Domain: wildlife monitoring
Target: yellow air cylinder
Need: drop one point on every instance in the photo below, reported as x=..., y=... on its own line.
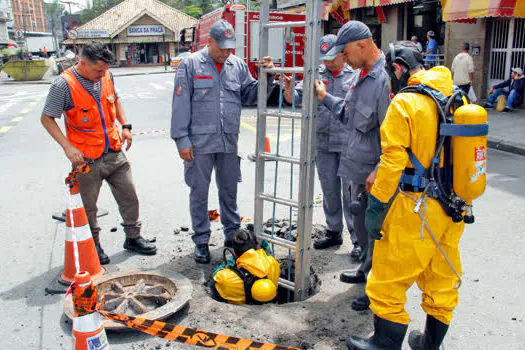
x=469, y=155
x=264, y=290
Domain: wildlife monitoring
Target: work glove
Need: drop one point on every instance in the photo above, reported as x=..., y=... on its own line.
x=374, y=217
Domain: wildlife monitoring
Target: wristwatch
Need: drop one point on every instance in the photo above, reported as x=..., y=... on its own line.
x=127, y=126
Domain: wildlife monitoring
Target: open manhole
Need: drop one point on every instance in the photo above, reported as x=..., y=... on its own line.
x=142, y=294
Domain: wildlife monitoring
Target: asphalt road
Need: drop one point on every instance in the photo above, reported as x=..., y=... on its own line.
x=491, y=313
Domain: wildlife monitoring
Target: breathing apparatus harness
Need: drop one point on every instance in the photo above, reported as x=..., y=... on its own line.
x=435, y=181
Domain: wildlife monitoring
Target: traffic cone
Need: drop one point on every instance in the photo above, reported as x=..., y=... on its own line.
x=87, y=253
x=267, y=149
x=88, y=331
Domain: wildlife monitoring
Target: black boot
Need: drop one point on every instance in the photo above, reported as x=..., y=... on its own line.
x=102, y=257
x=361, y=302
x=329, y=239
x=140, y=245
x=387, y=335
x=356, y=253
x=202, y=254
x=432, y=338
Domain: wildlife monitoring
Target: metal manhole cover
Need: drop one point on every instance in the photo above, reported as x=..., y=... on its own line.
x=143, y=294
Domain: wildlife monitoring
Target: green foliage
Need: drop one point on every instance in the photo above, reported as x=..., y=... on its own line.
x=99, y=7
x=192, y=10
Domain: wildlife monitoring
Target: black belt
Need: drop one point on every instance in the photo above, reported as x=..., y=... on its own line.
x=112, y=151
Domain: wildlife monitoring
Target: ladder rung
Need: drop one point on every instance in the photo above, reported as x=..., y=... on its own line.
x=276, y=240
x=272, y=156
x=286, y=115
x=279, y=200
x=280, y=70
x=285, y=24
x=287, y=284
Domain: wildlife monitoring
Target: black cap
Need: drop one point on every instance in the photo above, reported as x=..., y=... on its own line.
x=405, y=53
x=466, y=46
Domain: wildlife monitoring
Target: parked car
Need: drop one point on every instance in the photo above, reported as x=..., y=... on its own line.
x=175, y=61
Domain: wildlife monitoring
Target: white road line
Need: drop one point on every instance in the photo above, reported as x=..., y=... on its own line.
x=170, y=83
x=16, y=119
x=5, y=106
x=157, y=86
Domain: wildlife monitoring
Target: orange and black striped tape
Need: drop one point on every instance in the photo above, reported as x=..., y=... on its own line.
x=188, y=335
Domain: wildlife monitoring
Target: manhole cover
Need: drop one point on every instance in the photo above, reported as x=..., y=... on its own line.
x=143, y=294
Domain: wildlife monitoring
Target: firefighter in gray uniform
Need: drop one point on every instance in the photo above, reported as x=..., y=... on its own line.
x=211, y=86
x=362, y=111
x=338, y=77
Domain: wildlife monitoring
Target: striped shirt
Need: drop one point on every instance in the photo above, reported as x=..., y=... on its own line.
x=59, y=98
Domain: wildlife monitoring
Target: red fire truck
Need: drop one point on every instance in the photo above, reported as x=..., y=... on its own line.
x=246, y=25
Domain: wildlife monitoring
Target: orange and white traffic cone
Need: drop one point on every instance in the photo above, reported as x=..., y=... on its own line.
x=88, y=331
x=267, y=149
x=77, y=224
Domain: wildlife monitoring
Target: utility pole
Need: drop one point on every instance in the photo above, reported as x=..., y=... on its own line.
x=24, y=13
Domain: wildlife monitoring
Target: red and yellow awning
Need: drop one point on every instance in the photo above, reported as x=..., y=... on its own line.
x=455, y=10
x=354, y=4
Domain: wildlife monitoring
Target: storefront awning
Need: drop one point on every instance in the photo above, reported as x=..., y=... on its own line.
x=457, y=10
x=354, y=4
x=389, y=2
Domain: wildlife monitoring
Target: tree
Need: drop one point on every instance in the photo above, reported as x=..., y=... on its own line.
x=193, y=11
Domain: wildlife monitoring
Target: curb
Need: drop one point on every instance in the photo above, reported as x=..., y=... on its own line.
x=506, y=146
x=48, y=82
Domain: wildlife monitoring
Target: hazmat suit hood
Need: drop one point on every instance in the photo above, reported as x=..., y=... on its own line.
x=437, y=78
x=257, y=263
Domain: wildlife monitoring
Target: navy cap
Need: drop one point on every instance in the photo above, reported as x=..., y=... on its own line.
x=351, y=31
x=327, y=43
x=223, y=33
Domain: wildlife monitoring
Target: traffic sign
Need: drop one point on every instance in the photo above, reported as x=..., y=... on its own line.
x=19, y=34
x=72, y=34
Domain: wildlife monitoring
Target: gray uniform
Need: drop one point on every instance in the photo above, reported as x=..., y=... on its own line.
x=330, y=141
x=362, y=111
x=206, y=115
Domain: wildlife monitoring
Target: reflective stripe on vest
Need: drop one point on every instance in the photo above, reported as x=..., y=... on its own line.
x=90, y=124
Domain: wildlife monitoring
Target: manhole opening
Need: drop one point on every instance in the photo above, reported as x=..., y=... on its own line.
x=285, y=295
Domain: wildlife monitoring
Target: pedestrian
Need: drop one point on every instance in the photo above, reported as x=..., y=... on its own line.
x=45, y=52
x=86, y=95
x=40, y=53
x=404, y=252
x=362, y=111
x=415, y=40
x=249, y=276
x=514, y=94
x=432, y=49
x=211, y=86
x=463, y=69
x=338, y=78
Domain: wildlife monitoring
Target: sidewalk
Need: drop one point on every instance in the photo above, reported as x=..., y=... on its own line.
x=507, y=131
x=117, y=72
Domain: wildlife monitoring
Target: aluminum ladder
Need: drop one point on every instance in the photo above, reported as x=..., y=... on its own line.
x=300, y=249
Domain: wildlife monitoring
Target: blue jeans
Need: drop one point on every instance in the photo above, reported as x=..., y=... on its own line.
x=511, y=98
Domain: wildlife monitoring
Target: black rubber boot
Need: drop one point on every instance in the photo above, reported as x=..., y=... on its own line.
x=329, y=239
x=356, y=253
x=140, y=245
x=202, y=254
x=361, y=302
x=432, y=338
x=387, y=335
x=102, y=257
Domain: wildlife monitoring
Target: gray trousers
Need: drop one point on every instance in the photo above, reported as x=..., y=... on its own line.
x=116, y=170
x=197, y=175
x=366, y=243
x=336, y=196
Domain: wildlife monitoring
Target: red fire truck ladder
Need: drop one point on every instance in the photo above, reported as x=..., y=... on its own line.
x=299, y=201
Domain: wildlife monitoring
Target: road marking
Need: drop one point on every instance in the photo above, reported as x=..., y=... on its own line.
x=33, y=103
x=157, y=86
x=25, y=110
x=16, y=119
x=5, y=106
x=170, y=83
x=4, y=129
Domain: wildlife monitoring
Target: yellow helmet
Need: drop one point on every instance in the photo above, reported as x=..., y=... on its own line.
x=264, y=290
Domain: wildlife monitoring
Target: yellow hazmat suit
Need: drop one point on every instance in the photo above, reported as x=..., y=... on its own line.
x=231, y=287
x=406, y=253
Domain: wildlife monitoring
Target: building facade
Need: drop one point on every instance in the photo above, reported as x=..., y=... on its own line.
x=138, y=32
x=29, y=15
x=5, y=18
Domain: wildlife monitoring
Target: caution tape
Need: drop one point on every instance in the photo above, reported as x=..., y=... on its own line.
x=189, y=335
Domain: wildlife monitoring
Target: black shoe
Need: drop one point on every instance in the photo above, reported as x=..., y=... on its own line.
x=202, y=254
x=140, y=245
x=435, y=332
x=486, y=105
x=353, y=277
x=356, y=253
x=329, y=239
x=507, y=110
x=228, y=243
x=102, y=257
x=361, y=302
x=387, y=335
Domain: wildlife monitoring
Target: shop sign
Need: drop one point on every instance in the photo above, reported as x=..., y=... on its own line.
x=93, y=33
x=145, y=30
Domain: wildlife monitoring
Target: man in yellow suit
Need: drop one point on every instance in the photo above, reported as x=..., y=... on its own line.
x=405, y=252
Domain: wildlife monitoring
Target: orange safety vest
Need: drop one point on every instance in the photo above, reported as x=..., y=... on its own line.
x=90, y=124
